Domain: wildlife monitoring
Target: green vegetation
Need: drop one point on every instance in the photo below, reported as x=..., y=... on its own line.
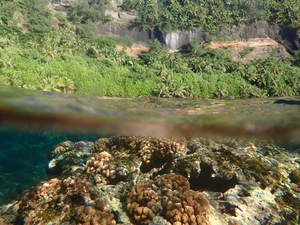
x=156, y=46
x=71, y=60
x=84, y=13
x=246, y=50
x=213, y=16
x=126, y=41
x=60, y=60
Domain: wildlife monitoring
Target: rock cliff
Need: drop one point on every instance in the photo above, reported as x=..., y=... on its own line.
x=287, y=37
x=65, y=3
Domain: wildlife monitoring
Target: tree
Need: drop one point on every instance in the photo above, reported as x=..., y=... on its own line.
x=38, y=15
x=297, y=58
x=78, y=10
x=47, y=51
x=155, y=45
x=162, y=90
x=66, y=84
x=7, y=9
x=180, y=89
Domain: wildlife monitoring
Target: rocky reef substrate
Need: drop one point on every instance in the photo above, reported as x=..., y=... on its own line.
x=127, y=179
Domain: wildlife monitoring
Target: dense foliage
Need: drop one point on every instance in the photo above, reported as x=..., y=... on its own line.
x=84, y=13
x=36, y=15
x=212, y=15
x=60, y=60
x=72, y=60
x=33, y=14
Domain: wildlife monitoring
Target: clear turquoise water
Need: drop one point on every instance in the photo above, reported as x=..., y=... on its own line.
x=24, y=156
x=32, y=123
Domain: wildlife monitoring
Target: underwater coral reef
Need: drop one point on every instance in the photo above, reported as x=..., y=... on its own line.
x=136, y=179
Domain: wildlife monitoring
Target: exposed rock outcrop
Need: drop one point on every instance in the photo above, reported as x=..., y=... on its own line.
x=65, y=3
x=139, y=35
x=288, y=37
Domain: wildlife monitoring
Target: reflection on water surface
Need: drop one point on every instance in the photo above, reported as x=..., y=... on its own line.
x=241, y=156
x=150, y=115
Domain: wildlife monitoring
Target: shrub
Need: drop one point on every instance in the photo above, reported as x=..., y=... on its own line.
x=246, y=50
x=106, y=41
x=126, y=41
x=155, y=45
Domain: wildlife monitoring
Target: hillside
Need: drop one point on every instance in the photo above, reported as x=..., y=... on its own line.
x=65, y=47
x=284, y=34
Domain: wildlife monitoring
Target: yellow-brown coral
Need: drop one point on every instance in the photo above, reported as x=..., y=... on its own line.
x=60, y=148
x=102, y=163
x=152, y=150
x=95, y=215
x=169, y=194
x=100, y=145
x=64, y=200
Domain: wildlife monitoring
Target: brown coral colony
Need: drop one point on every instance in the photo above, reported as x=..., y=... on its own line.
x=102, y=163
x=59, y=198
x=171, y=196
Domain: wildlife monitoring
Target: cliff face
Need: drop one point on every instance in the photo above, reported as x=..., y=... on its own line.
x=140, y=36
x=287, y=37
x=65, y=3
x=181, y=39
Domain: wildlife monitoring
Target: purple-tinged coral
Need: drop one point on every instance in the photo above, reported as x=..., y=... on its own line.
x=79, y=145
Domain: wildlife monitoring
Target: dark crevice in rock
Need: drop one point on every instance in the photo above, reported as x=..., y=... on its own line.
x=157, y=168
x=160, y=171
x=292, y=178
x=55, y=170
x=117, y=180
x=206, y=182
x=289, y=39
x=145, y=168
x=228, y=208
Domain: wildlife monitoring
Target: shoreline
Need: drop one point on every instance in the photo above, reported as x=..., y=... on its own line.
x=110, y=97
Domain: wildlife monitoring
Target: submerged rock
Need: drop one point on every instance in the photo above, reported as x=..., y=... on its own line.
x=288, y=101
x=130, y=179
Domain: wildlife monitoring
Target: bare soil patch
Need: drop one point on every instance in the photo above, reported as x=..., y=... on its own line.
x=134, y=50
